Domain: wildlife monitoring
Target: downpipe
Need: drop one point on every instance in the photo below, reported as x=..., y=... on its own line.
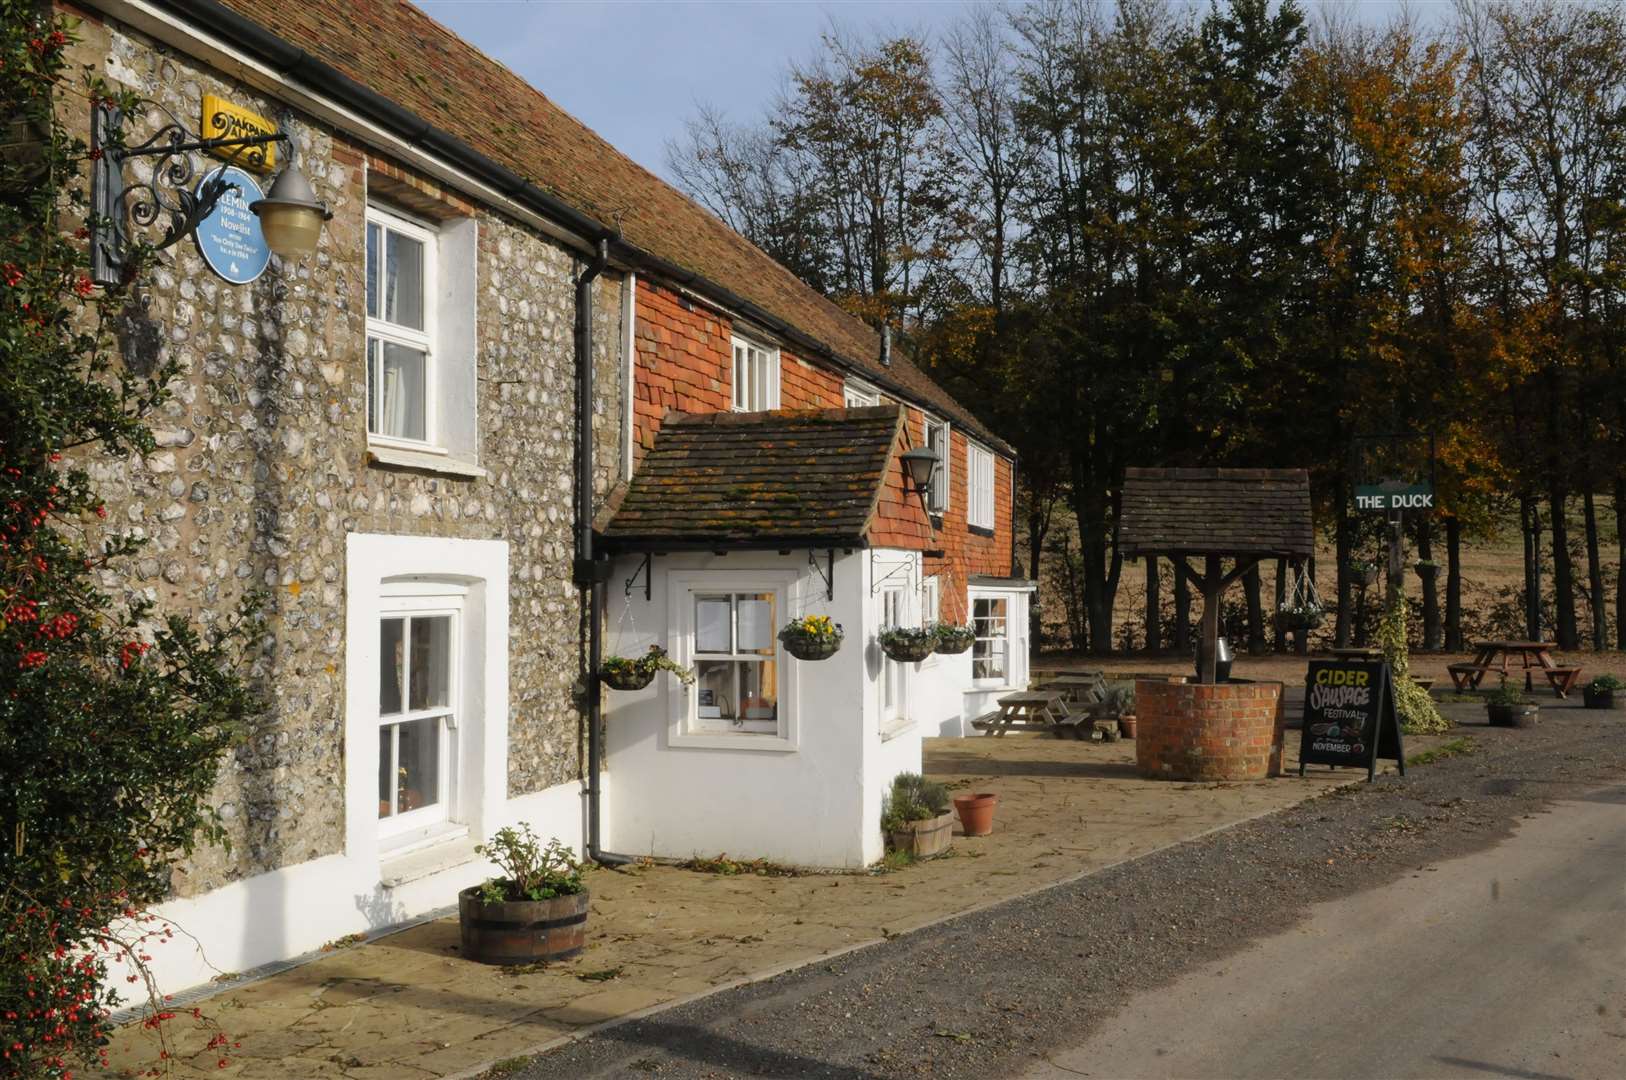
x=590, y=572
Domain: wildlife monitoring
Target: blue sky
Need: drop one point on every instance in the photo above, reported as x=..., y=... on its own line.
x=633, y=70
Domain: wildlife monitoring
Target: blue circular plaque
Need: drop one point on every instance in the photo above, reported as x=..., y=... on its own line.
x=229, y=239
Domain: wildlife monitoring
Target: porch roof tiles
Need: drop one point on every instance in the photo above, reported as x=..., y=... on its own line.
x=789, y=478
x=1245, y=512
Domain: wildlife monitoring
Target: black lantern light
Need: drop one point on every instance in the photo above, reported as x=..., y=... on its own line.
x=918, y=466
x=290, y=216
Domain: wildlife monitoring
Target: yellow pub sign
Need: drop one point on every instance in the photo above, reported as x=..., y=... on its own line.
x=223, y=120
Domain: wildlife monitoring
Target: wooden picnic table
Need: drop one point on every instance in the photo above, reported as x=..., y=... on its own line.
x=1084, y=688
x=1031, y=710
x=1361, y=653
x=1533, y=656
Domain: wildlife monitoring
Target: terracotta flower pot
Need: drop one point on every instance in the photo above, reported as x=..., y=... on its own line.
x=976, y=812
x=1126, y=726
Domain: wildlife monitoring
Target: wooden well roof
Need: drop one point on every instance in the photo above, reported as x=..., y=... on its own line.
x=782, y=479
x=1242, y=512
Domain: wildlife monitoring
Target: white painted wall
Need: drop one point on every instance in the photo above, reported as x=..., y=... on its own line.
x=812, y=799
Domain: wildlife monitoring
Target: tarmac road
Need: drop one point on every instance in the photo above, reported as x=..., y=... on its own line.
x=1364, y=926
x=1510, y=962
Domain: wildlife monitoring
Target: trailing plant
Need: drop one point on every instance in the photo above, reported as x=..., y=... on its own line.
x=113, y=717
x=1507, y=695
x=912, y=798
x=1417, y=711
x=530, y=870
x=815, y=629
x=651, y=663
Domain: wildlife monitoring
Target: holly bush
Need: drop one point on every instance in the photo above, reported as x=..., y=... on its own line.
x=113, y=719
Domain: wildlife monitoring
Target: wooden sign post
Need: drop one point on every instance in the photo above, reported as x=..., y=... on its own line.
x=1349, y=716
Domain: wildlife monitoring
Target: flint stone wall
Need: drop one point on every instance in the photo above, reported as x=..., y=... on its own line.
x=262, y=469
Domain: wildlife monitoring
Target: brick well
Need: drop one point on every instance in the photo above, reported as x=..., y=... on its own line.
x=1225, y=731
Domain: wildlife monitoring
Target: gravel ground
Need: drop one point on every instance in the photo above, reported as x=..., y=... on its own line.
x=986, y=993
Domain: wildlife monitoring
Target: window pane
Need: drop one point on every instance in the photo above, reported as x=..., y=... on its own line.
x=403, y=281
x=431, y=662
x=712, y=624
x=757, y=624
x=742, y=395
x=392, y=667
x=372, y=271
x=401, y=393
x=988, y=652
x=373, y=377
x=386, y=766
x=759, y=690
x=417, y=776
x=714, y=682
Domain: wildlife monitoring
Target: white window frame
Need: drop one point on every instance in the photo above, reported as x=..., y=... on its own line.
x=760, y=391
x=428, y=599
x=979, y=486
x=859, y=395
x=931, y=609
x=937, y=497
x=685, y=728
x=1008, y=639
x=423, y=339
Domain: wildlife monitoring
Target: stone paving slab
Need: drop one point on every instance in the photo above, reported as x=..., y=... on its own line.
x=406, y=1005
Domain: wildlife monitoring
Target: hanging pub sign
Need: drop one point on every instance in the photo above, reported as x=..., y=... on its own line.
x=1395, y=495
x=230, y=239
x=1349, y=716
x=223, y=120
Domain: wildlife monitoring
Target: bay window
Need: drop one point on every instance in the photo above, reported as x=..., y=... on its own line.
x=990, y=653
x=736, y=662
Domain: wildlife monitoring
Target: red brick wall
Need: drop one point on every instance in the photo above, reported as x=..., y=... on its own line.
x=1224, y=731
x=685, y=362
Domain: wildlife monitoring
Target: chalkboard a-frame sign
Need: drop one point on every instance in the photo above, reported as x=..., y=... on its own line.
x=1349, y=716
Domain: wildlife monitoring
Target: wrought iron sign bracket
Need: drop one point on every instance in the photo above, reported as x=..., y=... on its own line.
x=901, y=568
x=165, y=191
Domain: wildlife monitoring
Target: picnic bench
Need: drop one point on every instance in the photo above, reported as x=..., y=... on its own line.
x=1034, y=710
x=1497, y=656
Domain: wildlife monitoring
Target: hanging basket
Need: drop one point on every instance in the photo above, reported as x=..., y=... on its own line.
x=811, y=648
x=954, y=640
x=633, y=678
x=908, y=646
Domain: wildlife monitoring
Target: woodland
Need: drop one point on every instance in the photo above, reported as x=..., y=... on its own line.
x=1246, y=234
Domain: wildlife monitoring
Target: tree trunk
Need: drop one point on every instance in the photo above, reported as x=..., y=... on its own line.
x=1257, y=643
x=1342, y=628
x=1453, y=585
x=1530, y=523
x=1394, y=584
x=1431, y=583
x=1594, y=576
x=1182, y=608
x=1620, y=561
x=1563, y=572
x=1279, y=633
x=1154, y=605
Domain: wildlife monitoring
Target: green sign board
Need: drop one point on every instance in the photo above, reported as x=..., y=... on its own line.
x=1394, y=495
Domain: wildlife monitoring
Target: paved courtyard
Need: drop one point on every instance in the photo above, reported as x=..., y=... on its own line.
x=406, y=1005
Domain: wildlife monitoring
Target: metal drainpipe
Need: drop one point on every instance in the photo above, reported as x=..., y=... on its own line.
x=589, y=571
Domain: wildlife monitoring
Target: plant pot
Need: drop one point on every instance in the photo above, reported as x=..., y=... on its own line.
x=953, y=646
x=804, y=648
x=907, y=652
x=626, y=680
x=924, y=839
x=521, y=931
x=1598, y=699
x=1126, y=726
x=1513, y=716
x=976, y=812
x=1364, y=578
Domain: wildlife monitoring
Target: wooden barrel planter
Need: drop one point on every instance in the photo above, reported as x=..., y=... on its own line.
x=521, y=931
x=925, y=839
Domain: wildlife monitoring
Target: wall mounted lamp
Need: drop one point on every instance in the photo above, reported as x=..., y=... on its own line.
x=290, y=216
x=918, y=466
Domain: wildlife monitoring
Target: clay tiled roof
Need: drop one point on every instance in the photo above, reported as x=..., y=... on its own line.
x=793, y=477
x=399, y=52
x=1216, y=511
